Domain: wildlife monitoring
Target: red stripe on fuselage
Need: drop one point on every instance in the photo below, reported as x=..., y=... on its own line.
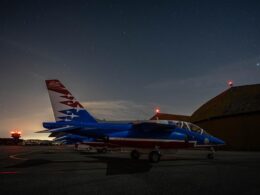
x=151, y=144
x=135, y=143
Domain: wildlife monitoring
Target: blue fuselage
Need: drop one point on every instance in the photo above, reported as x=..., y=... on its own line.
x=129, y=135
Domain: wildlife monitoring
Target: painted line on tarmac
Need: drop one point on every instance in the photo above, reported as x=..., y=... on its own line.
x=15, y=156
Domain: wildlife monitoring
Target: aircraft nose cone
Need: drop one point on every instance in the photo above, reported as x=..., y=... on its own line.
x=222, y=142
x=217, y=141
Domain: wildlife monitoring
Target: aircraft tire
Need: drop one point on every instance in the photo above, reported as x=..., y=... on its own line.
x=154, y=156
x=210, y=156
x=102, y=150
x=135, y=155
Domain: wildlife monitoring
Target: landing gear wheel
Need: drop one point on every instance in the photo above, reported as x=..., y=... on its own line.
x=210, y=156
x=135, y=155
x=154, y=156
x=102, y=150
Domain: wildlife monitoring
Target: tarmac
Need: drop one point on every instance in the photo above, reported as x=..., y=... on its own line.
x=62, y=170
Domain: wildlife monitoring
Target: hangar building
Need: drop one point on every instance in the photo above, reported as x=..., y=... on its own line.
x=233, y=115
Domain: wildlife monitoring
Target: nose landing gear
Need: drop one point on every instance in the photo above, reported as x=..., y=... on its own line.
x=212, y=154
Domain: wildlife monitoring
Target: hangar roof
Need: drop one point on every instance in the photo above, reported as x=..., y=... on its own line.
x=235, y=100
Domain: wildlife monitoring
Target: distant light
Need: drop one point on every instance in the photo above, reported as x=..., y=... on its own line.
x=16, y=132
x=258, y=64
x=230, y=83
x=157, y=110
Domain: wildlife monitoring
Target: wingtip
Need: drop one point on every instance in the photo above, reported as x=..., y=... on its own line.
x=43, y=131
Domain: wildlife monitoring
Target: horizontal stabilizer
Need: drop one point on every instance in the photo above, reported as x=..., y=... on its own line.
x=57, y=130
x=62, y=129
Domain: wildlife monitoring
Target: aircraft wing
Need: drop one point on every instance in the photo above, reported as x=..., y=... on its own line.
x=57, y=134
x=43, y=131
x=75, y=130
x=72, y=137
x=148, y=126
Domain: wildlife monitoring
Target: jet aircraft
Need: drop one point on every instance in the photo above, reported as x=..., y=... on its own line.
x=74, y=124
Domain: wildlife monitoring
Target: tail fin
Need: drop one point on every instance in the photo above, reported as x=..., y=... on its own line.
x=65, y=106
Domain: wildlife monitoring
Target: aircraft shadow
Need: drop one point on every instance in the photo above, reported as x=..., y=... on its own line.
x=114, y=165
x=120, y=166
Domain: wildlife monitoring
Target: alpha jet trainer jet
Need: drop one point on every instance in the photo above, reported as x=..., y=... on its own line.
x=75, y=124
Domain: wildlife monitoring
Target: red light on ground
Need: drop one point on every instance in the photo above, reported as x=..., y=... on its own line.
x=230, y=83
x=7, y=172
x=16, y=134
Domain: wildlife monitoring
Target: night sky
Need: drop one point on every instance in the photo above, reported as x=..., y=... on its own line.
x=123, y=59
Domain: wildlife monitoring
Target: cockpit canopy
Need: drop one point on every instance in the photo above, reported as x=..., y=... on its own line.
x=183, y=125
x=189, y=126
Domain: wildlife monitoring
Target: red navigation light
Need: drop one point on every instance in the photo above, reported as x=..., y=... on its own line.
x=157, y=110
x=16, y=134
x=230, y=83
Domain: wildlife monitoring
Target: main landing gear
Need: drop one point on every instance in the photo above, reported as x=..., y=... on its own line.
x=212, y=154
x=135, y=155
x=154, y=156
x=76, y=146
x=102, y=150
